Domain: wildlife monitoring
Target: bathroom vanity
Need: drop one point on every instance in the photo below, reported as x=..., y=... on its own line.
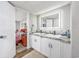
x=50, y=45
x=52, y=37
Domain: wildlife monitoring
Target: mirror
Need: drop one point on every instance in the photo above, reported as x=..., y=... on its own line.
x=51, y=20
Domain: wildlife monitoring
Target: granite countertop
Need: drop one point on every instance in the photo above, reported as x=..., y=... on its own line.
x=55, y=37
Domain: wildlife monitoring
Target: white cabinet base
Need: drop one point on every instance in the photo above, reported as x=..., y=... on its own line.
x=65, y=49
x=35, y=42
x=45, y=47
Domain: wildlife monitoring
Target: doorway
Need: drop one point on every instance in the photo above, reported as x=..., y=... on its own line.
x=21, y=36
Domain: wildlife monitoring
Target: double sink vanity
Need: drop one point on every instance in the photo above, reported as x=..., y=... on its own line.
x=50, y=45
x=52, y=35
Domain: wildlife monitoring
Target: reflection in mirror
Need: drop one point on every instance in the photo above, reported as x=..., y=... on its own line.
x=50, y=21
x=43, y=21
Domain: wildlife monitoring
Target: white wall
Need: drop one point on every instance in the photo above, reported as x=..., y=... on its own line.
x=75, y=29
x=17, y=24
x=33, y=22
x=64, y=17
x=21, y=14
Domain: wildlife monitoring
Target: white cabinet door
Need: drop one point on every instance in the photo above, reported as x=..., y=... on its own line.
x=65, y=50
x=36, y=42
x=55, y=49
x=7, y=30
x=45, y=46
x=32, y=41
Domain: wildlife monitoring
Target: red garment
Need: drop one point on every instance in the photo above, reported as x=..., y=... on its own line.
x=24, y=37
x=24, y=30
x=24, y=40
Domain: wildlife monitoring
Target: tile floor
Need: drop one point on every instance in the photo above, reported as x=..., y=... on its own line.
x=20, y=48
x=23, y=53
x=34, y=54
x=29, y=53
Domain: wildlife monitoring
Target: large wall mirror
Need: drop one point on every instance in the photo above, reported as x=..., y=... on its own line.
x=51, y=20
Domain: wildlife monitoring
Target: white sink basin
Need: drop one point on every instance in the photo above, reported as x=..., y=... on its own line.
x=37, y=33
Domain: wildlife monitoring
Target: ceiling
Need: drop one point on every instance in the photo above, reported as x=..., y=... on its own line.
x=36, y=6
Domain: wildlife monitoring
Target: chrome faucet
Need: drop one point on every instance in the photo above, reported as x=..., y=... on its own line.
x=54, y=32
x=41, y=31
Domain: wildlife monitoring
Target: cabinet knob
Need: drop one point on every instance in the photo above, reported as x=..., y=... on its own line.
x=51, y=46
